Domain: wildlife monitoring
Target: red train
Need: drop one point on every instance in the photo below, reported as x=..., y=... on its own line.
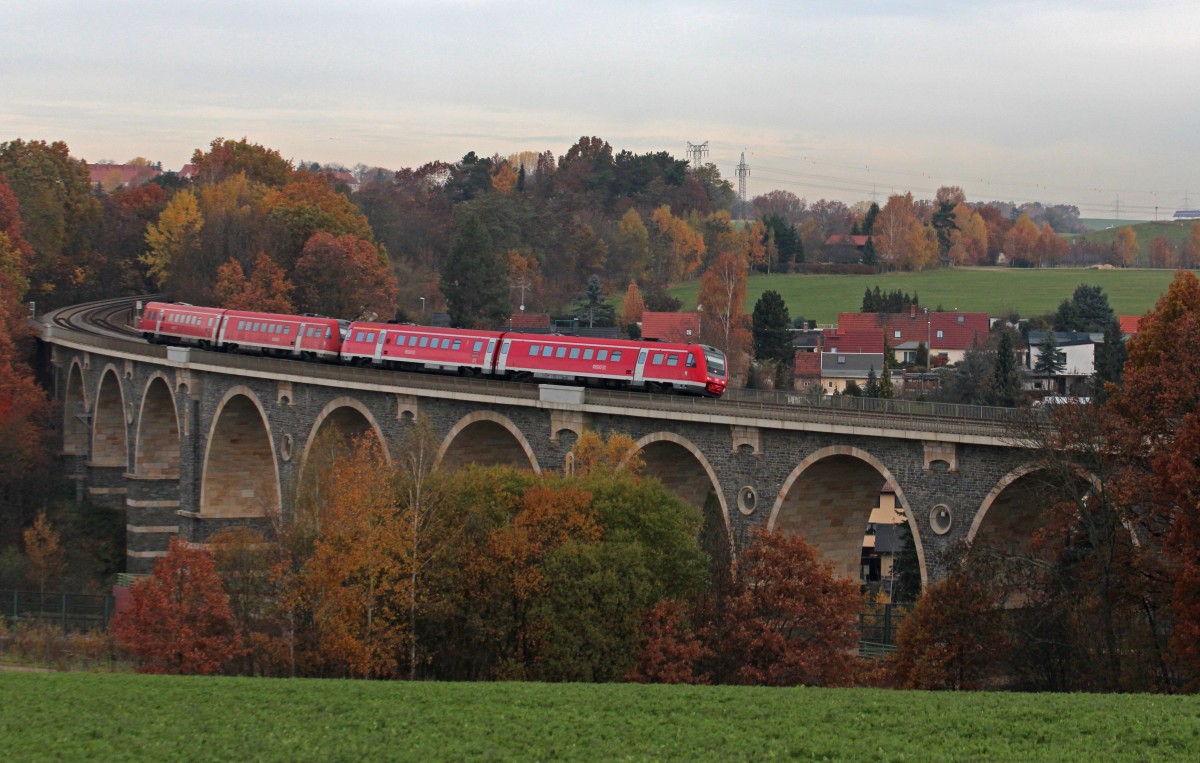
x=620, y=363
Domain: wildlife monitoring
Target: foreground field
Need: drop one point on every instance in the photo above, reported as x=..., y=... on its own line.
x=996, y=291
x=129, y=717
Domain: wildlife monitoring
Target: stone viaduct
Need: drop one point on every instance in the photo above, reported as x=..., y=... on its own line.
x=188, y=442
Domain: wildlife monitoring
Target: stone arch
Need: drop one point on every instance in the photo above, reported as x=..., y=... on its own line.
x=1015, y=508
x=685, y=472
x=75, y=411
x=351, y=418
x=487, y=438
x=828, y=498
x=110, y=440
x=156, y=445
x=241, y=474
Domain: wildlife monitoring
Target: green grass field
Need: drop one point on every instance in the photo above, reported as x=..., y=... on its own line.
x=1176, y=232
x=996, y=291
x=129, y=717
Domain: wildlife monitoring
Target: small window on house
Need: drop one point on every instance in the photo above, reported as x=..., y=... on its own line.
x=962, y=318
x=941, y=334
x=574, y=353
x=896, y=333
x=588, y=353
x=658, y=359
x=616, y=356
x=672, y=360
x=478, y=346
x=534, y=349
x=561, y=352
x=602, y=355
x=424, y=341
x=841, y=360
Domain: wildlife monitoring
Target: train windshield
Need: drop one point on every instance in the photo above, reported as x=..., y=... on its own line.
x=716, y=362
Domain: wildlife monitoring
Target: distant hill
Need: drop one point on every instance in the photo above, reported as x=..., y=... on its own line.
x=1174, y=231
x=1100, y=223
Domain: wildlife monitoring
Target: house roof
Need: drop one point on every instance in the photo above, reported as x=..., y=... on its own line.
x=854, y=340
x=1130, y=324
x=1066, y=338
x=850, y=365
x=189, y=172
x=526, y=321
x=671, y=327
x=807, y=365
x=959, y=331
x=116, y=175
x=845, y=239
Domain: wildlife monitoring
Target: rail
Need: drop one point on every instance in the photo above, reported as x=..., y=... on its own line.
x=841, y=411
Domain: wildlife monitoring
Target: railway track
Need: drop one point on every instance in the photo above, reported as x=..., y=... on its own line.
x=111, y=320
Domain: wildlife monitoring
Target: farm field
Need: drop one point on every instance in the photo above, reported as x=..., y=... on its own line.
x=996, y=291
x=132, y=717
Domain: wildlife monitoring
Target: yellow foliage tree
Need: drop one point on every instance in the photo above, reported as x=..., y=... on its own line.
x=174, y=237
x=593, y=454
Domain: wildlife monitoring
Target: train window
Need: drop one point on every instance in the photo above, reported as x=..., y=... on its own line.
x=241, y=325
x=477, y=346
x=358, y=336
x=412, y=340
x=210, y=322
x=547, y=351
x=658, y=359
x=587, y=354
x=690, y=362
x=602, y=355
x=504, y=347
x=574, y=352
x=257, y=327
x=445, y=344
x=424, y=341
x=287, y=330
x=371, y=336
x=534, y=349
x=616, y=355
x=457, y=345
x=561, y=352
x=672, y=360
x=328, y=331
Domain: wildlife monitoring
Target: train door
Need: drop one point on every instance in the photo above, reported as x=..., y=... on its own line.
x=379, y=345
x=639, y=370
x=299, y=338
x=502, y=360
x=487, y=358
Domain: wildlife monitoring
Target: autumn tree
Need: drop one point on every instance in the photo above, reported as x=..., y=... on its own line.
x=43, y=549
x=179, y=619
x=344, y=277
x=1020, y=243
x=792, y=621
x=1161, y=254
x=630, y=255
x=1125, y=248
x=671, y=651
x=226, y=158
x=1051, y=248
x=1189, y=252
x=721, y=297
x=676, y=250
x=173, y=245
x=266, y=290
x=596, y=455
x=632, y=306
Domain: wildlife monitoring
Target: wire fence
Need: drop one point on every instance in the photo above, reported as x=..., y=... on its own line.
x=72, y=611
x=877, y=628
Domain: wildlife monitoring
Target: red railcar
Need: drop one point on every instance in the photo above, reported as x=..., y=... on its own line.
x=410, y=347
x=692, y=368
x=163, y=322
x=304, y=336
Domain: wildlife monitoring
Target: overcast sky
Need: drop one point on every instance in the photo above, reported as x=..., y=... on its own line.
x=1075, y=102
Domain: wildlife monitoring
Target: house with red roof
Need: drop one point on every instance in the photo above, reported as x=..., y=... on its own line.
x=1130, y=325
x=945, y=334
x=113, y=176
x=671, y=327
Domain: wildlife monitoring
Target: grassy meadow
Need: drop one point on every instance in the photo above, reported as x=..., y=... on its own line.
x=996, y=291
x=131, y=717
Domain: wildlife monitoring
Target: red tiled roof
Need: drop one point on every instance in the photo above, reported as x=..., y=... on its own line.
x=845, y=239
x=854, y=340
x=960, y=331
x=189, y=171
x=807, y=365
x=520, y=321
x=671, y=327
x=115, y=175
x=1130, y=324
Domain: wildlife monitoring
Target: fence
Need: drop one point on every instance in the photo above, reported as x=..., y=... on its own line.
x=877, y=629
x=74, y=611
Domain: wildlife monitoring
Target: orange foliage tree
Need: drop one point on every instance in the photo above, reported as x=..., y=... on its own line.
x=266, y=290
x=1125, y=247
x=179, y=619
x=791, y=619
x=344, y=277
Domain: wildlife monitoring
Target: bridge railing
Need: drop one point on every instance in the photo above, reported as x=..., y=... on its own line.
x=774, y=405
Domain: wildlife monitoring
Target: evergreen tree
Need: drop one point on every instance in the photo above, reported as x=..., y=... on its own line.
x=852, y=389
x=1110, y=359
x=922, y=355
x=872, y=388
x=886, y=390
x=868, y=305
x=1091, y=305
x=474, y=280
x=869, y=255
x=1049, y=362
x=906, y=567
x=868, y=225
x=593, y=306
x=1006, y=376
x=772, y=337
